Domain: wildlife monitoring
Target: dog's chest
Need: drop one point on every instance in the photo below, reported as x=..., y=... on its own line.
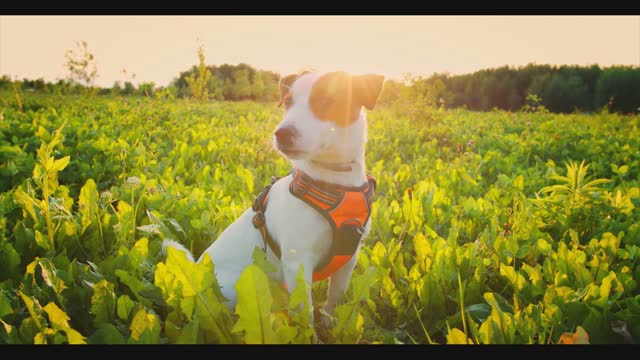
x=299, y=229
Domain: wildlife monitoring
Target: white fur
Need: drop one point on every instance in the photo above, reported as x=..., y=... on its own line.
x=176, y=245
x=304, y=236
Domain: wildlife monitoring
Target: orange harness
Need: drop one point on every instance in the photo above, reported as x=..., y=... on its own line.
x=347, y=210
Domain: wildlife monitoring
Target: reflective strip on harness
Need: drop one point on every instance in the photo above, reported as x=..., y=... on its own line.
x=346, y=209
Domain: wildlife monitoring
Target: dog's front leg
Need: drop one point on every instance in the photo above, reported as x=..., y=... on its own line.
x=291, y=263
x=338, y=283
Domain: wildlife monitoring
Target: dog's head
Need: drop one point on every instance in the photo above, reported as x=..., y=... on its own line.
x=324, y=113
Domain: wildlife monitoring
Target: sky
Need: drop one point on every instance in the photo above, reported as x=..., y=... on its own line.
x=158, y=48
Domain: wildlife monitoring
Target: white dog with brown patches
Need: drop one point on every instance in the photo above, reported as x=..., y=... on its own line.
x=317, y=216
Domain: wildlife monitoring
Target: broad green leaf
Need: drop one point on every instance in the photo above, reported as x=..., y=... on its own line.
x=422, y=249
x=299, y=295
x=143, y=291
x=287, y=334
x=5, y=305
x=523, y=251
x=191, y=277
x=478, y=312
x=174, y=323
x=543, y=246
x=126, y=219
x=107, y=334
x=378, y=254
x=9, y=260
x=299, y=309
x=260, y=259
x=214, y=317
x=60, y=164
x=49, y=275
x=145, y=328
x=518, y=183
x=191, y=289
x=349, y=324
x=247, y=177
x=189, y=333
x=43, y=241
x=176, y=229
x=138, y=255
x=456, y=336
x=124, y=306
x=623, y=169
x=29, y=204
x=35, y=310
x=499, y=327
x=515, y=278
x=40, y=339
x=27, y=330
x=103, y=302
x=361, y=285
x=60, y=321
x=88, y=204
x=254, y=307
x=150, y=229
x=9, y=334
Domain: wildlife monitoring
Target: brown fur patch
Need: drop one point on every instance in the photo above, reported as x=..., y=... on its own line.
x=339, y=96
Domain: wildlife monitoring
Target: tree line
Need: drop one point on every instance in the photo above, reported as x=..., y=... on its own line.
x=558, y=88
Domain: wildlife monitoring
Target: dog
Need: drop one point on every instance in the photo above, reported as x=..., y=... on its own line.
x=317, y=216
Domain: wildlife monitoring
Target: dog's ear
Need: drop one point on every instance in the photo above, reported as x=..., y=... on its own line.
x=367, y=89
x=285, y=85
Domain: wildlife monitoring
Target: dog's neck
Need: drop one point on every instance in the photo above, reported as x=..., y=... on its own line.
x=349, y=173
x=345, y=168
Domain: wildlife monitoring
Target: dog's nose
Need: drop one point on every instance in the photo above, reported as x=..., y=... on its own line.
x=285, y=136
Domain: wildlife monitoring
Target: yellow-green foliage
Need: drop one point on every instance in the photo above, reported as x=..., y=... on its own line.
x=487, y=227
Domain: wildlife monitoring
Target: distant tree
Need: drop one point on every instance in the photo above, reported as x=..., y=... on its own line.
x=241, y=89
x=5, y=82
x=227, y=89
x=198, y=83
x=258, y=87
x=390, y=92
x=81, y=65
x=533, y=103
x=566, y=92
x=539, y=83
x=271, y=88
x=214, y=86
x=62, y=87
x=168, y=93
x=619, y=88
x=116, y=89
x=146, y=88
x=430, y=92
x=129, y=88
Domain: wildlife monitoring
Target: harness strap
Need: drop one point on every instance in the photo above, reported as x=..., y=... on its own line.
x=259, y=222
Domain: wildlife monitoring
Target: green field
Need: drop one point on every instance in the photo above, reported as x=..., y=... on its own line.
x=493, y=227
